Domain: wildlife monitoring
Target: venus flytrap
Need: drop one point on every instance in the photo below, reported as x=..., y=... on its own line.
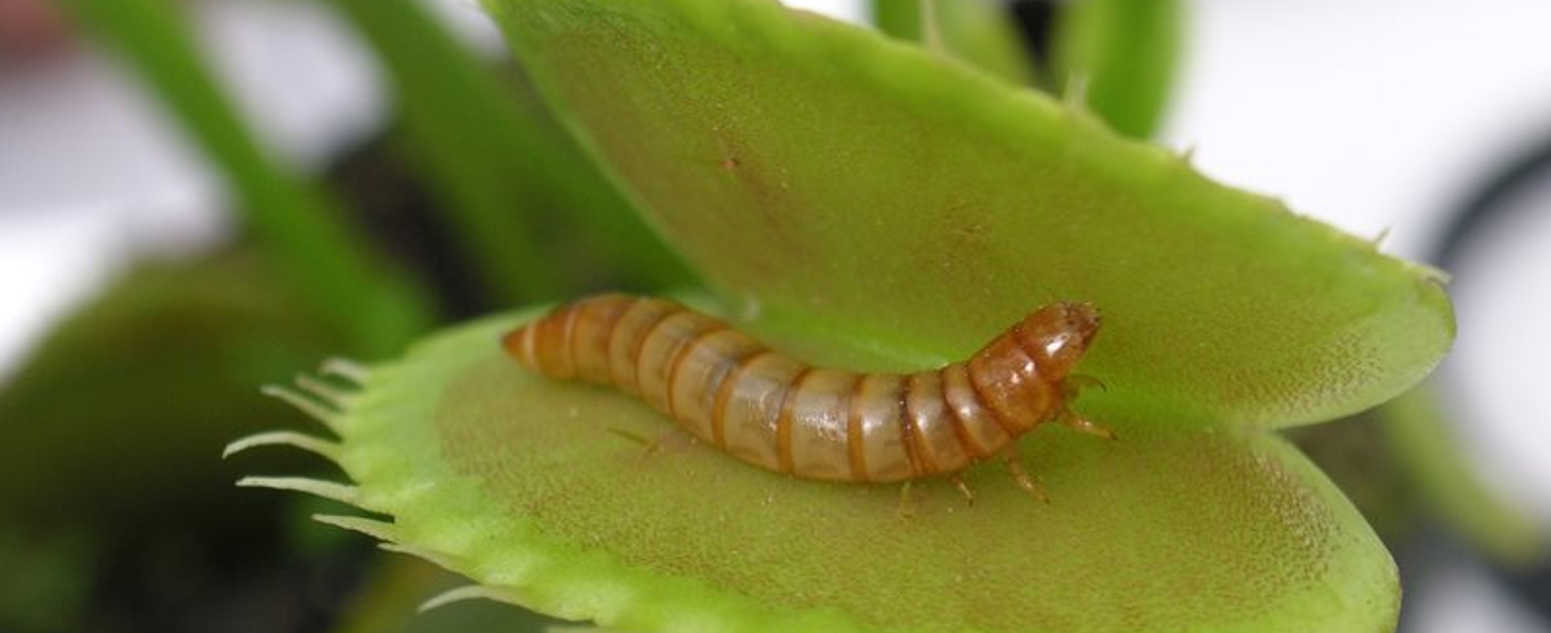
x=889, y=210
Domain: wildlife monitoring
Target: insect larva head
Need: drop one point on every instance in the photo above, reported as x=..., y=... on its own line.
x=518, y=344
x=1056, y=336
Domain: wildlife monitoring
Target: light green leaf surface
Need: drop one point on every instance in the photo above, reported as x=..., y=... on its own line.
x=1354, y=453
x=1125, y=53
x=862, y=203
x=527, y=486
x=976, y=31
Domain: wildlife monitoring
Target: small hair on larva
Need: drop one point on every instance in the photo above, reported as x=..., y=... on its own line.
x=781, y=414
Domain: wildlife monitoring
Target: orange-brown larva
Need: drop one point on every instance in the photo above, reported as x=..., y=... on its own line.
x=778, y=413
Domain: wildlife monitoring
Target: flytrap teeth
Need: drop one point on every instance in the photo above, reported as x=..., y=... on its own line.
x=1188, y=155
x=1076, y=94
x=342, y=493
x=380, y=530
x=314, y=410
x=1435, y=275
x=317, y=445
x=466, y=592
x=1378, y=240
x=346, y=369
x=333, y=396
x=439, y=559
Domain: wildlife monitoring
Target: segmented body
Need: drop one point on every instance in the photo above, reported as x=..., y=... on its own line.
x=781, y=414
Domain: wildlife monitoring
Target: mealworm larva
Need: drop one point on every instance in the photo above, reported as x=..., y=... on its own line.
x=778, y=413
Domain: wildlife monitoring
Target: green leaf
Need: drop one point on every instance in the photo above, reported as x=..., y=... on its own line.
x=976, y=31
x=1355, y=454
x=1125, y=53
x=46, y=579
x=117, y=416
x=1420, y=434
x=1403, y=466
x=518, y=186
x=864, y=204
x=296, y=226
x=528, y=486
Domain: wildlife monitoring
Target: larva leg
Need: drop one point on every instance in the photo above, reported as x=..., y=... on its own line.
x=1073, y=384
x=631, y=435
x=907, y=503
x=958, y=482
x=1020, y=476
x=650, y=447
x=1072, y=420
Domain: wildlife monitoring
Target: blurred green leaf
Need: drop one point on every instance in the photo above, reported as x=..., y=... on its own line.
x=536, y=214
x=1430, y=456
x=976, y=31
x=119, y=415
x=1125, y=53
x=44, y=580
x=1402, y=465
x=296, y=226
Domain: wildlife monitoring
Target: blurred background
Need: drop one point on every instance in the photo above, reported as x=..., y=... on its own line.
x=134, y=256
